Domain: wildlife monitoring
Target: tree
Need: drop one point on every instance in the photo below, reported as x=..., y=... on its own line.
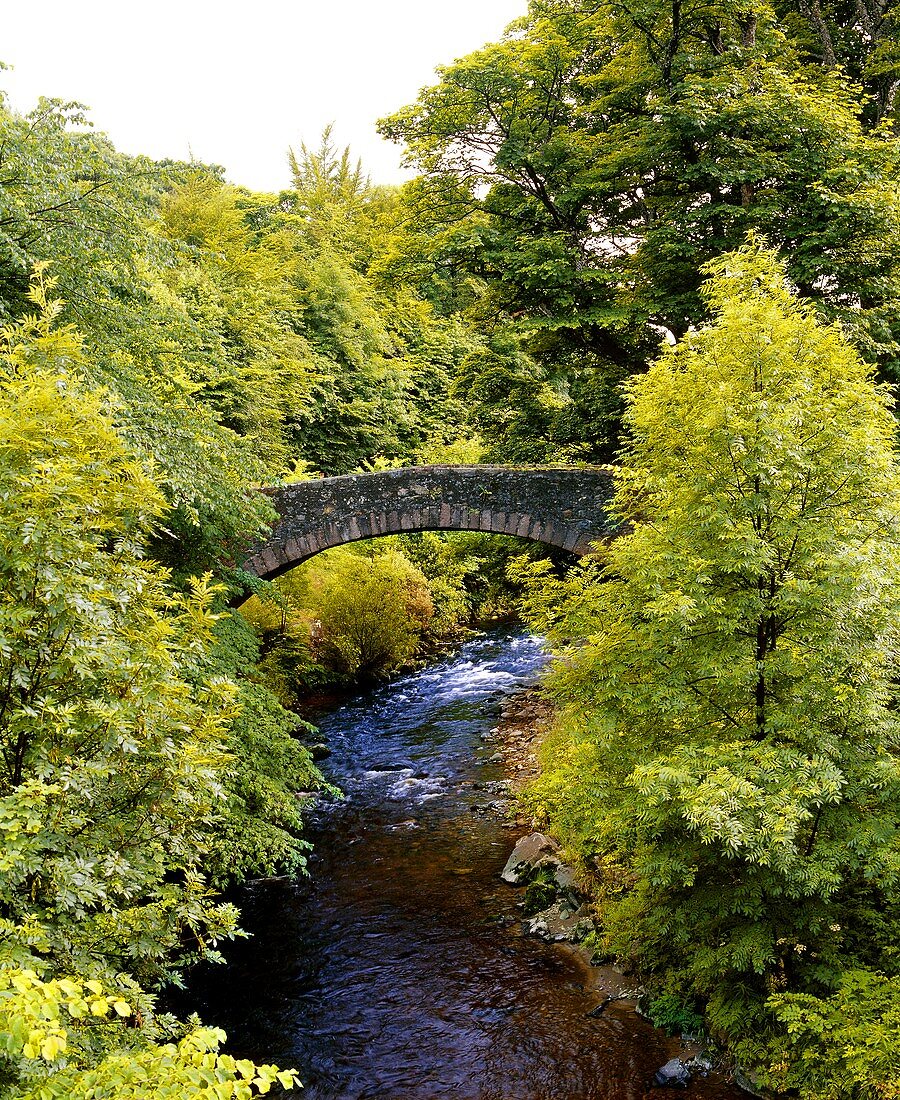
x=112, y=754
x=260, y=830
x=110, y=741
x=728, y=754
x=68, y=198
x=383, y=360
x=369, y=610
x=70, y=1040
x=861, y=36
x=591, y=162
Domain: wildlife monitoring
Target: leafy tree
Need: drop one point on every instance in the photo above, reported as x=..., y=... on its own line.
x=367, y=611
x=384, y=360
x=728, y=754
x=239, y=342
x=68, y=198
x=331, y=189
x=591, y=162
x=861, y=37
x=69, y=1040
x=840, y=1046
x=262, y=825
x=112, y=757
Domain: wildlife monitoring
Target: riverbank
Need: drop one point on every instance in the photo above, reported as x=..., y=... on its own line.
x=526, y=719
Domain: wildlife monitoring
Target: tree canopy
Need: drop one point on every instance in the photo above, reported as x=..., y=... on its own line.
x=588, y=165
x=728, y=753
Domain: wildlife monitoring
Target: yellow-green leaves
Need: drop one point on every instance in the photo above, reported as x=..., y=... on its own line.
x=110, y=741
x=51, y=1033
x=730, y=730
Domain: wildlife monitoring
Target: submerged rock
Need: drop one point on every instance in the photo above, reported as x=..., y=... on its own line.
x=393, y=766
x=496, y=786
x=499, y=806
x=674, y=1075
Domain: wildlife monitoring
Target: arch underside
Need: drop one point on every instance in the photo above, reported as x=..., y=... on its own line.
x=282, y=554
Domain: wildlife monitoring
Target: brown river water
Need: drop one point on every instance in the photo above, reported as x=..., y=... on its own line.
x=398, y=969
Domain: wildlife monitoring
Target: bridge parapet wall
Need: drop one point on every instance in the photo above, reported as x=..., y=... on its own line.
x=559, y=506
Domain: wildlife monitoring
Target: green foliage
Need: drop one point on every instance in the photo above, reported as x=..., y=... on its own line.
x=262, y=824
x=110, y=745
x=861, y=37
x=510, y=402
x=69, y=1040
x=369, y=611
x=468, y=574
x=579, y=173
x=115, y=774
x=839, y=1047
x=674, y=1016
x=727, y=759
x=237, y=333
x=540, y=892
x=384, y=360
x=452, y=573
x=69, y=199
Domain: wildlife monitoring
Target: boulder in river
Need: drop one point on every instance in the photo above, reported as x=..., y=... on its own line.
x=674, y=1075
x=531, y=852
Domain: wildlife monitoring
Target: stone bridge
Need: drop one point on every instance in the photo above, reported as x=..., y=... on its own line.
x=563, y=507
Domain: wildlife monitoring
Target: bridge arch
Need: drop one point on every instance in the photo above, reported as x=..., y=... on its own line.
x=563, y=507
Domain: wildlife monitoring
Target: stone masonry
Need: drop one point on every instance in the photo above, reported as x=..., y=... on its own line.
x=558, y=506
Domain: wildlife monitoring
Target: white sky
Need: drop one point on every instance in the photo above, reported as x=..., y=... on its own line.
x=236, y=84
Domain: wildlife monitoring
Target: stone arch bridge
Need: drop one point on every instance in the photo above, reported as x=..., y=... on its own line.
x=563, y=507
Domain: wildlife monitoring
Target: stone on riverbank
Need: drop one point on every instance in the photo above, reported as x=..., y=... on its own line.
x=530, y=853
x=564, y=913
x=559, y=924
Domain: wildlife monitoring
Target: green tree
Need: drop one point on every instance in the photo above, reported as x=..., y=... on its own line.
x=592, y=161
x=861, y=37
x=356, y=611
x=112, y=754
x=68, y=198
x=110, y=743
x=369, y=610
x=384, y=359
x=260, y=832
x=67, y=1039
x=841, y=1046
x=728, y=752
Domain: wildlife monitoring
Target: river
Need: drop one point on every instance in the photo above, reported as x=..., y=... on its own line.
x=398, y=969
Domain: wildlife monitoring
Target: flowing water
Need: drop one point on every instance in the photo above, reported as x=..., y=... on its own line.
x=398, y=970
